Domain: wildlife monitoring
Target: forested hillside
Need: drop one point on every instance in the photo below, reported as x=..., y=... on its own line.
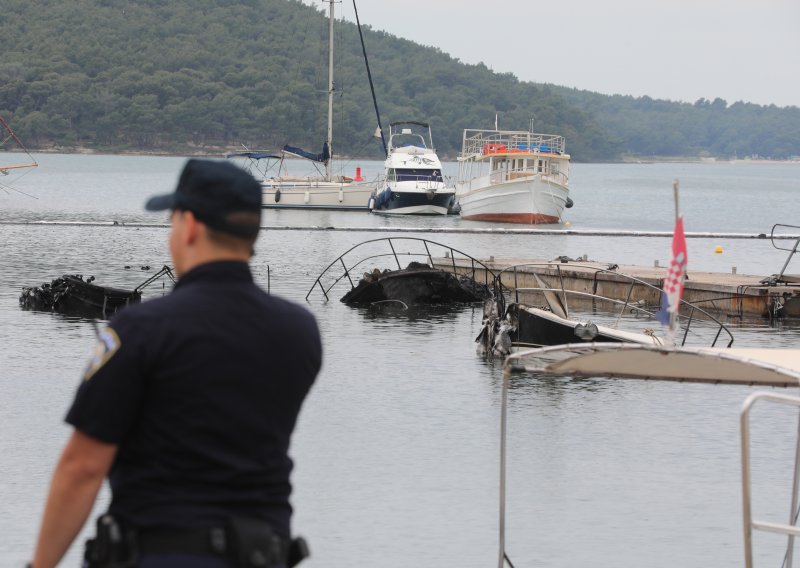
x=208, y=75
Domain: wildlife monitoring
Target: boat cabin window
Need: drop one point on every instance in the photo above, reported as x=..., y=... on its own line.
x=414, y=174
x=401, y=140
x=499, y=164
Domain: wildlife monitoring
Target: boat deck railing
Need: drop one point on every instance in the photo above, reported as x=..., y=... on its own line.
x=507, y=284
x=516, y=174
x=164, y=271
x=790, y=530
x=486, y=142
x=395, y=253
x=775, y=235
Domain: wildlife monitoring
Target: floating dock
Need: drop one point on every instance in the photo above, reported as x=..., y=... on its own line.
x=732, y=295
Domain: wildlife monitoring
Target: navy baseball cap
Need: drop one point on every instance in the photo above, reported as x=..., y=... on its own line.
x=215, y=192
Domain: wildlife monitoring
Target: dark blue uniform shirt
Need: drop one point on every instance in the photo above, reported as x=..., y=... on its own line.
x=201, y=390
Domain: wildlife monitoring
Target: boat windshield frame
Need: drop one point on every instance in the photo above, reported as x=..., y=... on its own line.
x=414, y=174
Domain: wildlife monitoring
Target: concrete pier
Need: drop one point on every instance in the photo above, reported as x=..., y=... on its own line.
x=732, y=295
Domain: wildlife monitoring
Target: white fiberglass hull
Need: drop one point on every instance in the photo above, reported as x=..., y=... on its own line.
x=414, y=201
x=530, y=200
x=317, y=195
x=414, y=210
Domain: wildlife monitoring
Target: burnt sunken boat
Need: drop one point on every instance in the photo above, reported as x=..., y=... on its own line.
x=513, y=321
x=418, y=283
x=71, y=295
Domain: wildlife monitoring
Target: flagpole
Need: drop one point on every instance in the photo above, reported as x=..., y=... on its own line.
x=675, y=186
x=673, y=316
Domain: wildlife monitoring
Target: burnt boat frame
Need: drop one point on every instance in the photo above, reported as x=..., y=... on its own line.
x=449, y=252
x=84, y=298
x=687, y=309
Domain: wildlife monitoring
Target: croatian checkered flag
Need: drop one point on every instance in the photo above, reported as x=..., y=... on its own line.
x=673, y=283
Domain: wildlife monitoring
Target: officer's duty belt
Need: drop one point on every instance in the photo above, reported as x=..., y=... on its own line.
x=211, y=541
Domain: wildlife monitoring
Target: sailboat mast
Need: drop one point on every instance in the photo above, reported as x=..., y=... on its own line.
x=330, y=94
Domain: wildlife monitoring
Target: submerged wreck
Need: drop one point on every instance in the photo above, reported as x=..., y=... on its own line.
x=520, y=316
x=418, y=283
x=70, y=294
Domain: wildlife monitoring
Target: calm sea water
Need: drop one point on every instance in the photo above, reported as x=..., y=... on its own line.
x=397, y=447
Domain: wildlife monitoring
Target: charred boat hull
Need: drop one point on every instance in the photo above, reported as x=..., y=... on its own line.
x=537, y=328
x=416, y=286
x=72, y=295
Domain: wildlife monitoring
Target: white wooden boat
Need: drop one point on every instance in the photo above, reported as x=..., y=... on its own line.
x=413, y=183
x=513, y=177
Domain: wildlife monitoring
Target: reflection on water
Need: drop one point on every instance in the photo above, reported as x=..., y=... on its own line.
x=398, y=312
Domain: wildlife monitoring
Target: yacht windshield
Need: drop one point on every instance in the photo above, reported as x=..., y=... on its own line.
x=401, y=140
x=416, y=174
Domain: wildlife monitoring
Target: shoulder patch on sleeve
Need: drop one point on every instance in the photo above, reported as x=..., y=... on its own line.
x=107, y=344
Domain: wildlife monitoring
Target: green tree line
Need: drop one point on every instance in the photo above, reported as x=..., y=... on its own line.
x=210, y=75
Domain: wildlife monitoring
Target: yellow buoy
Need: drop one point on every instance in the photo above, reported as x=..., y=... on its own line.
x=567, y=224
x=718, y=249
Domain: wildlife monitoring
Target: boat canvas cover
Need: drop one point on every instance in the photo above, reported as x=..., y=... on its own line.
x=322, y=157
x=254, y=155
x=777, y=367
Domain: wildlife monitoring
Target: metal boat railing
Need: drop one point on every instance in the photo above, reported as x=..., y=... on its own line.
x=688, y=310
x=482, y=142
x=454, y=255
x=516, y=174
x=164, y=271
x=790, y=529
x=779, y=278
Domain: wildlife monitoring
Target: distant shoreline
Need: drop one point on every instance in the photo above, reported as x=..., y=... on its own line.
x=706, y=161
x=221, y=152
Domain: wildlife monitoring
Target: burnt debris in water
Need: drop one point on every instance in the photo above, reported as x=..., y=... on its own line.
x=434, y=274
x=418, y=283
x=70, y=294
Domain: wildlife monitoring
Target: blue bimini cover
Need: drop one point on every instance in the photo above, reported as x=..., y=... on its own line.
x=323, y=156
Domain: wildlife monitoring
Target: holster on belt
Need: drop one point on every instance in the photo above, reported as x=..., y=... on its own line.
x=112, y=547
x=253, y=544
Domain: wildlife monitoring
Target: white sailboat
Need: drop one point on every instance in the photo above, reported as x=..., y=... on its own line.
x=320, y=191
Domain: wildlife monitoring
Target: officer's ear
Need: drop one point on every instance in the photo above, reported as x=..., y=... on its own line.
x=193, y=228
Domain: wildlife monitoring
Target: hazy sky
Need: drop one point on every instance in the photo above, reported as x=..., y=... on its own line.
x=680, y=50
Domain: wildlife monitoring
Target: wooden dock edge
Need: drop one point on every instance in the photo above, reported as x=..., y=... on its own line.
x=732, y=295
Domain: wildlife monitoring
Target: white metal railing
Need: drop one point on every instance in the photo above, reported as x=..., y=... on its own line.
x=502, y=176
x=482, y=142
x=791, y=529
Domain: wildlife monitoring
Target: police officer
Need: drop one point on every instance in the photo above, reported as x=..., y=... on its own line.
x=189, y=403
